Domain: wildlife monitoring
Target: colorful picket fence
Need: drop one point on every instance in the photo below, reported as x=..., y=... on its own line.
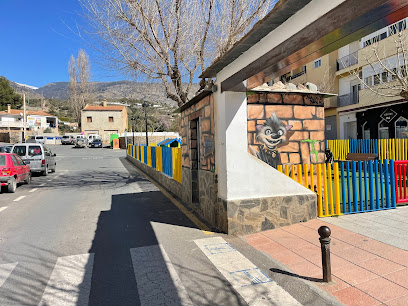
x=164, y=159
x=347, y=187
x=396, y=149
x=401, y=184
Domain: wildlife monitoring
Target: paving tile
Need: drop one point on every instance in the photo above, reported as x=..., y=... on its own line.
x=399, y=256
x=353, y=274
x=382, y=289
x=354, y=239
x=315, y=223
x=272, y=248
x=335, y=285
x=401, y=301
x=257, y=239
x=377, y=247
x=287, y=257
x=276, y=233
x=307, y=269
x=296, y=243
x=338, y=263
x=400, y=277
x=354, y=297
x=309, y=252
x=380, y=266
x=338, y=245
x=355, y=255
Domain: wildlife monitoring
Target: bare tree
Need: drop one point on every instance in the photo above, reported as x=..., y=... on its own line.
x=384, y=66
x=79, y=85
x=169, y=40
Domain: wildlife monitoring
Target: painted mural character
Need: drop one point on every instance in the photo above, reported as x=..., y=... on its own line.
x=271, y=134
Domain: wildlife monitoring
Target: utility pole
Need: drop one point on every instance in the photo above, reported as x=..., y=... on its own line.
x=24, y=119
x=144, y=105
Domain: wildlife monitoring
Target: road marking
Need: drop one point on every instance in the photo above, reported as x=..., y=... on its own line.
x=5, y=271
x=3, y=208
x=70, y=281
x=156, y=278
x=204, y=228
x=19, y=198
x=33, y=190
x=255, y=287
x=43, y=184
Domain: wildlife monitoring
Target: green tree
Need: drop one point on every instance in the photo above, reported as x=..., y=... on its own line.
x=8, y=96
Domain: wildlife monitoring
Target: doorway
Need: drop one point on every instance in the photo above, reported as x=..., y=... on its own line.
x=195, y=159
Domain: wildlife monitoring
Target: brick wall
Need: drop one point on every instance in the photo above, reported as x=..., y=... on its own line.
x=204, y=112
x=304, y=112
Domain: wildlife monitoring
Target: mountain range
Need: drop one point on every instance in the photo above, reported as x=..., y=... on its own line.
x=152, y=92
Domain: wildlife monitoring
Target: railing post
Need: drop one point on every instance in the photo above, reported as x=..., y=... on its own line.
x=324, y=233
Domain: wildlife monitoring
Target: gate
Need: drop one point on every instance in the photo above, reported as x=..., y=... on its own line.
x=401, y=177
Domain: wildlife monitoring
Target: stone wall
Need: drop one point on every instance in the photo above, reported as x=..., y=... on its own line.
x=255, y=215
x=303, y=114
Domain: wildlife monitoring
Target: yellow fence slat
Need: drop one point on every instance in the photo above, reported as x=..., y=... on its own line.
x=280, y=168
x=337, y=189
x=159, y=159
x=306, y=172
x=177, y=164
x=330, y=189
x=319, y=190
x=287, y=170
x=149, y=156
x=311, y=177
x=325, y=193
x=299, y=174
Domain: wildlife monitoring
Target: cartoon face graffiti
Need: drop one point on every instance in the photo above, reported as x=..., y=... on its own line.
x=271, y=134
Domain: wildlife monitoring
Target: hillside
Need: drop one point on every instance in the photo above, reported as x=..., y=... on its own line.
x=153, y=92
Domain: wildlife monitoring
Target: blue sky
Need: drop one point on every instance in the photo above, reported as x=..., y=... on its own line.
x=36, y=44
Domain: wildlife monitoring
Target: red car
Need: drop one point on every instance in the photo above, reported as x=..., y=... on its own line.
x=13, y=171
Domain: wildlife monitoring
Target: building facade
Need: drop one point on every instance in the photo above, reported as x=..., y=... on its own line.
x=104, y=120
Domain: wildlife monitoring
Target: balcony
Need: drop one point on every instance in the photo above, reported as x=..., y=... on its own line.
x=11, y=124
x=348, y=99
x=347, y=61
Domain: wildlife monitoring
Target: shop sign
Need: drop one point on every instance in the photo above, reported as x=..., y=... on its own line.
x=388, y=115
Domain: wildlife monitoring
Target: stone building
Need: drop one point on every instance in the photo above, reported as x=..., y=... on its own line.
x=104, y=120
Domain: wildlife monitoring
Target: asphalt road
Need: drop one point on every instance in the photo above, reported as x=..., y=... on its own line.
x=97, y=232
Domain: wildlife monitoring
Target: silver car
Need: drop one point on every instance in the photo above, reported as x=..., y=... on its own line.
x=38, y=156
x=36, y=139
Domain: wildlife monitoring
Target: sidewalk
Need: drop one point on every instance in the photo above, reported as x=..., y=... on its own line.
x=365, y=271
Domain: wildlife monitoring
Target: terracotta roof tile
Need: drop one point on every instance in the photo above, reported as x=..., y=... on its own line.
x=104, y=108
x=19, y=111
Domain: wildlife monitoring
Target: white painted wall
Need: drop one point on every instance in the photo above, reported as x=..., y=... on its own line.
x=344, y=84
x=343, y=51
x=241, y=175
x=349, y=117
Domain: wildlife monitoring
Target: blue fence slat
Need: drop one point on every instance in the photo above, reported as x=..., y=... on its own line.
x=360, y=186
x=377, y=192
x=140, y=153
x=392, y=179
x=167, y=157
x=145, y=154
x=348, y=187
x=387, y=184
x=153, y=151
x=366, y=200
x=354, y=177
x=381, y=183
x=371, y=183
x=343, y=194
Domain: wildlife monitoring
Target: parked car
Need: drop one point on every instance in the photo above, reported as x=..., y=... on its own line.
x=81, y=141
x=96, y=143
x=5, y=148
x=38, y=156
x=67, y=139
x=92, y=137
x=36, y=139
x=13, y=171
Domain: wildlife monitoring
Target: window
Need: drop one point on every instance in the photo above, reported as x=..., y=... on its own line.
x=376, y=79
x=383, y=132
x=110, y=119
x=401, y=128
x=88, y=119
x=384, y=77
x=34, y=151
x=317, y=63
x=20, y=161
x=397, y=27
x=2, y=160
x=15, y=162
x=20, y=150
x=368, y=81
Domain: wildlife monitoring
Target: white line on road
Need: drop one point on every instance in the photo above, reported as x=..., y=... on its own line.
x=3, y=208
x=5, y=271
x=43, y=184
x=19, y=198
x=156, y=278
x=70, y=281
x=255, y=287
x=33, y=190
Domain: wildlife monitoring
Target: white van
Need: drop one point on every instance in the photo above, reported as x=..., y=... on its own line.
x=37, y=139
x=37, y=156
x=92, y=137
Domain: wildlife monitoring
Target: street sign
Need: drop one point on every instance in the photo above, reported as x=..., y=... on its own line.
x=388, y=115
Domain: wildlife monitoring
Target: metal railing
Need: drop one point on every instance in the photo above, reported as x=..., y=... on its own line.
x=347, y=99
x=347, y=61
x=12, y=124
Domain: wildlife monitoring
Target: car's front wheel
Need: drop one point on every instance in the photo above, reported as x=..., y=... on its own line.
x=12, y=186
x=28, y=179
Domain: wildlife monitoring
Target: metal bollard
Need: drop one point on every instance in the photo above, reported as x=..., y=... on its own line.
x=324, y=233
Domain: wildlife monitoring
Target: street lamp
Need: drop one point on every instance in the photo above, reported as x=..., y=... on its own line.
x=133, y=128
x=144, y=105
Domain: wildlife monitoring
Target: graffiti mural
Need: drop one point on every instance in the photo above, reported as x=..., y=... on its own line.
x=271, y=135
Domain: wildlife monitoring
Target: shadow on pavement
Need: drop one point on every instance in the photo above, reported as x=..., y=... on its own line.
x=312, y=279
